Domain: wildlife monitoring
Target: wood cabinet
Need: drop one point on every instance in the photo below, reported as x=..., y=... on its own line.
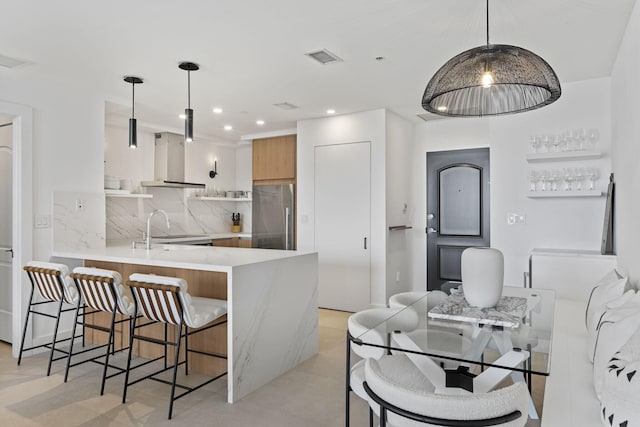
x=274, y=158
x=232, y=242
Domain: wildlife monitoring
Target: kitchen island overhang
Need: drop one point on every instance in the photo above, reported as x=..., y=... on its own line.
x=272, y=302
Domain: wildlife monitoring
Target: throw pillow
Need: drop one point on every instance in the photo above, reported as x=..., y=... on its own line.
x=616, y=328
x=605, y=290
x=597, y=317
x=619, y=401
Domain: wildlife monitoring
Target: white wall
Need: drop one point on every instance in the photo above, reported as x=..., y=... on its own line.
x=6, y=160
x=574, y=223
x=399, y=143
x=626, y=148
x=358, y=127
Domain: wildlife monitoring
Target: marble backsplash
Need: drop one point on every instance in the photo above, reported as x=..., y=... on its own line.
x=126, y=217
x=78, y=220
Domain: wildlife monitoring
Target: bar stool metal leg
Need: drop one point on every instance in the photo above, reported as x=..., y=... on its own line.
x=176, y=364
x=26, y=323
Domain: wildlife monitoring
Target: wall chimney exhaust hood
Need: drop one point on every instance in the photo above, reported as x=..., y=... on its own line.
x=169, y=163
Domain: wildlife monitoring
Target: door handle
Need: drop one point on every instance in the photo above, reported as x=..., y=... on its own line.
x=365, y=243
x=286, y=229
x=10, y=250
x=431, y=230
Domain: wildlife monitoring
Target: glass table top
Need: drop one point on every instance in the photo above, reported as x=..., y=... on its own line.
x=450, y=330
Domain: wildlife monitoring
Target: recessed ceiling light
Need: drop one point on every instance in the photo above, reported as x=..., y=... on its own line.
x=331, y=111
x=228, y=127
x=259, y=122
x=217, y=110
x=182, y=116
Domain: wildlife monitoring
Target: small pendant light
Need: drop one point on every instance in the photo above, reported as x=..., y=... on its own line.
x=133, y=126
x=188, y=112
x=491, y=80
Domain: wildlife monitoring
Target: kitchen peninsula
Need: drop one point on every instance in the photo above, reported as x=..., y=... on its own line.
x=271, y=295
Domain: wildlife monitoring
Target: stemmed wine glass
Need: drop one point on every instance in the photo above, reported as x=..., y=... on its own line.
x=544, y=180
x=593, y=135
x=534, y=143
x=593, y=174
x=580, y=136
x=534, y=177
x=579, y=175
x=569, y=177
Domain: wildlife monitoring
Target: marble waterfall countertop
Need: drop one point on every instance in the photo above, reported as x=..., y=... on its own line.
x=207, y=258
x=272, y=302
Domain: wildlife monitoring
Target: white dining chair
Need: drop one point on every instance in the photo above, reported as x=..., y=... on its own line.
x=373, y=327
x=403, y=403
x=449, y=341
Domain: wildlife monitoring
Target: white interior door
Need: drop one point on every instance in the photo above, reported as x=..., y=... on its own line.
x=6, y=161
x=343, y=225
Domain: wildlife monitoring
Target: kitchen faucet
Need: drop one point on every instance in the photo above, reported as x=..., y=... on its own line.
x=147, y=240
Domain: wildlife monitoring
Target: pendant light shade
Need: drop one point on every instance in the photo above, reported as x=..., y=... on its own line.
x=133, y=125
x=188, y=112
x=491, y=80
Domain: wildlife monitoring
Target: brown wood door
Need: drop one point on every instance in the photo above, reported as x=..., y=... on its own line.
x=274, y=158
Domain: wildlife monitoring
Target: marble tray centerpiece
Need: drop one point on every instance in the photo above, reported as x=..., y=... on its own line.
x=507, y=313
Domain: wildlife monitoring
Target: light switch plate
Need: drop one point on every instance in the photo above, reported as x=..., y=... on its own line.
x=515, y=218
x=42, y=221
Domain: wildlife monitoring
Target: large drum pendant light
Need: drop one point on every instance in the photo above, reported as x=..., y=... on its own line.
x=491, y=80
x=188, y=112
x=133, y=126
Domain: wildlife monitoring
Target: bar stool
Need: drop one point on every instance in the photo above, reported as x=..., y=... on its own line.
x=54, y=286
x=102, y=291
x=165, y=300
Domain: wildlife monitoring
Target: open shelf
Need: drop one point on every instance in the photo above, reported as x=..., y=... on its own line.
x=563, y=156
x=550, y=194
x=126, y=193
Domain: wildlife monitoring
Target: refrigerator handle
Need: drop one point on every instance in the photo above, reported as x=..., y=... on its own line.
x=286, y=229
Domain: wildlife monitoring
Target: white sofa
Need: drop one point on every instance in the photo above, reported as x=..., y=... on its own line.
x=569, y=396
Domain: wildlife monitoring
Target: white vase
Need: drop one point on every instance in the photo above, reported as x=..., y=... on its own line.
x=482, y=276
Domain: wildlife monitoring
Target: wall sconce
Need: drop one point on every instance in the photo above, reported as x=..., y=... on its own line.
x=214, y=172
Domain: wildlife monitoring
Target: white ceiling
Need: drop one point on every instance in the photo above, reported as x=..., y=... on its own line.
x=251, y=52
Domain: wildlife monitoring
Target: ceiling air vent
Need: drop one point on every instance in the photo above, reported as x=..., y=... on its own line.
x=286, y=106
x=427, y=117
x=323, y=56
x=9, y=62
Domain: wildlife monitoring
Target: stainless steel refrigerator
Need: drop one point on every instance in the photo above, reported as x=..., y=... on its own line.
x=273, y=216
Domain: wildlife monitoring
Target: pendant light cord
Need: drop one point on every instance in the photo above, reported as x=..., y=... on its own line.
x=189, y=89
x=487, y=22
x=133, y=101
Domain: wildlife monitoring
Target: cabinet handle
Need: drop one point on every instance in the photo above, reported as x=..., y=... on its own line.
x=365, y=243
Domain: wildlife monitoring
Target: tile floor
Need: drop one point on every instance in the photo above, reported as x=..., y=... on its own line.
x=310, y=395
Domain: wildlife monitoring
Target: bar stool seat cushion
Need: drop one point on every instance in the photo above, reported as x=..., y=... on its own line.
x=198, y=311
x=70, y=291
x=125, y=299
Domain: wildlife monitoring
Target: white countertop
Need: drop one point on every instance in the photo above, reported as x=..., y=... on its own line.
x=207, y=258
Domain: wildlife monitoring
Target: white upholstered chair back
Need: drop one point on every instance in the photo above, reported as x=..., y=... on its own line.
x=373, y=325
x=472, y=406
